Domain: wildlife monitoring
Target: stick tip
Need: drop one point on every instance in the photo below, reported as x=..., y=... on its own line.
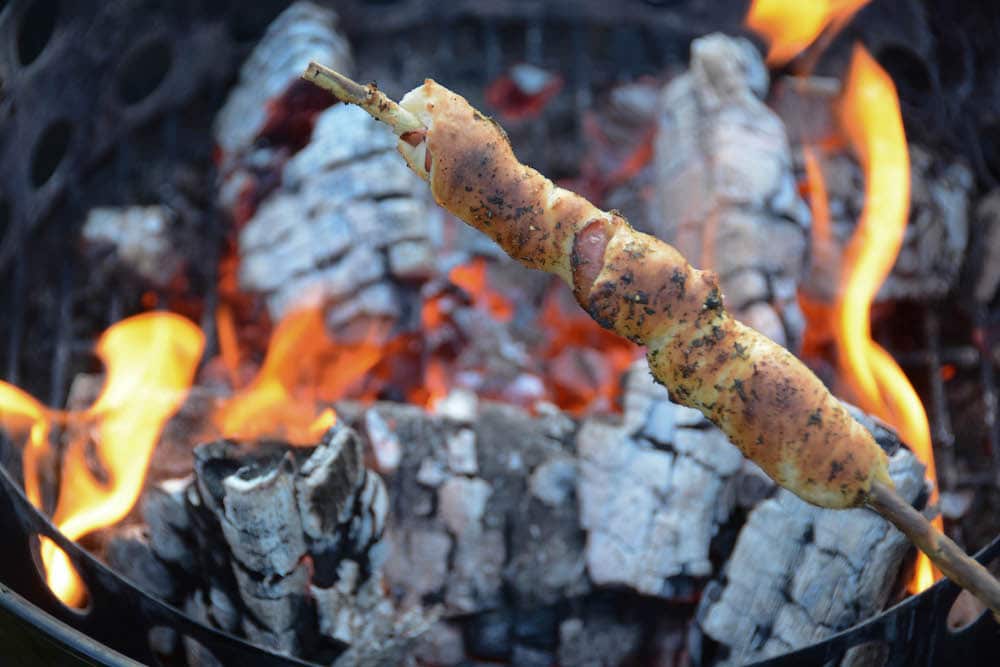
x=312, y=71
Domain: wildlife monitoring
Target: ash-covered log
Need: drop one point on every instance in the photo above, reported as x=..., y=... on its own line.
x=524, y=529
x=301, y=33
x=327, y=213
x=279, y=544
x=782, y=588
x=725, y=189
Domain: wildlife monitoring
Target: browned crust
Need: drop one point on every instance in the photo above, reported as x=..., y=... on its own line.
x=770, y=405
x=475, y=175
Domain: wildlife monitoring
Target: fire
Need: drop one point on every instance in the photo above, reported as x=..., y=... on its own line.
x=874, y=127
x=150, y=362
x=25, y=419
x=471, y=277
x=790, y=27
x=302, y=369
x=871, y=120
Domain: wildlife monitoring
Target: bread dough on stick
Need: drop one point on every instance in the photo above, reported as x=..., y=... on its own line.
x=767, y=402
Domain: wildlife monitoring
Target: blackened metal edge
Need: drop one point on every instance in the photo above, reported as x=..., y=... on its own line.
x=915, y=632
x=119, y=615
x=31, y=636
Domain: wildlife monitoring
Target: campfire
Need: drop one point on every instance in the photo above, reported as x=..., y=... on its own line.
x=319, y=420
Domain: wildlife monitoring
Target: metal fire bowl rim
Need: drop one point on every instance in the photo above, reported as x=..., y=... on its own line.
x=119, y=615
x=915, y=631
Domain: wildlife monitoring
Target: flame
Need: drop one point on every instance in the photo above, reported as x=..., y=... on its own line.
x=303, y=368
x=25, y=419
x=872, y=121
x=790, y=27
x=150, y=361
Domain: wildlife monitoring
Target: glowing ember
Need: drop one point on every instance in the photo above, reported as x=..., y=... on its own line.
x=471, y=277
x=790, y=27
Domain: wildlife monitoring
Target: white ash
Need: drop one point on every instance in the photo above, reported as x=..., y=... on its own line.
x=554, y=481
x=725, y=188
x=385, y=446
x=302, y=33
x=260, y=515
x=464, y=537
x=349, y=221
x=654, y=491
x=462, y=452
x=458, y=404
x=784, y=584
x=140, y=237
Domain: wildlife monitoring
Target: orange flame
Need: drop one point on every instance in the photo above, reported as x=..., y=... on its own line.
x=790, y=27
x=24, y=418
x=302, y=368
x=874, y=127
x=150, y=361
x=872, y=121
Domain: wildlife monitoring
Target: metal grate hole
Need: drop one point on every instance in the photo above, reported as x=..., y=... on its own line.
x=37, y=26
x=36, y=545
x=49, y=151
x=143, y=69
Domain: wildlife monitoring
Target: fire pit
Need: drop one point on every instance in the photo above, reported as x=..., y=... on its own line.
x=365, y=438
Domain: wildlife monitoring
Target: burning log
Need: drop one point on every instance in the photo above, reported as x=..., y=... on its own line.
x=299, y=243
x=303, y=32
x=654, y=492
x=306, y=243
x=937, y=230
x=772, y=407
x=726, y=193
x=280, y=544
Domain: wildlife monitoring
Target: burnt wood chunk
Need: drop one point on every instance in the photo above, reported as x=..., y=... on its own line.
x=799, y=573
x=725, y=188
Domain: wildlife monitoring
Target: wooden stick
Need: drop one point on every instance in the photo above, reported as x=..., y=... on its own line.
x=369, y=98
x=948, y=557
x=945, y=554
